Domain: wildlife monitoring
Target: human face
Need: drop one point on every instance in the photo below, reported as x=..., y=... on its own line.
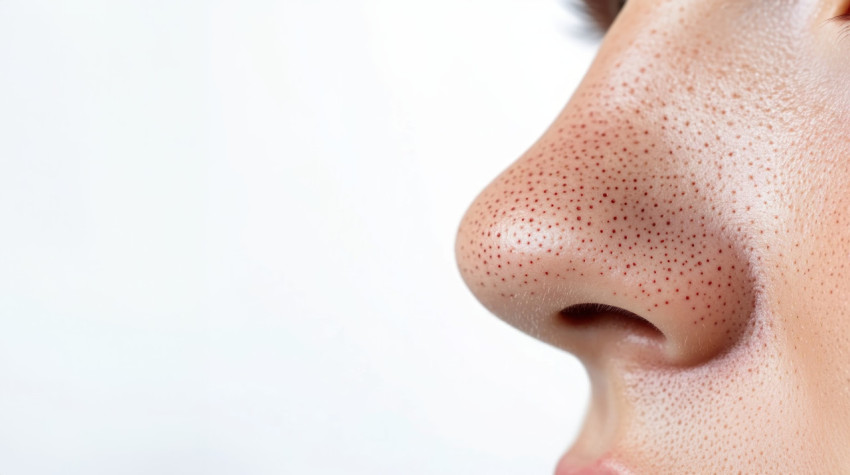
x=683, y=228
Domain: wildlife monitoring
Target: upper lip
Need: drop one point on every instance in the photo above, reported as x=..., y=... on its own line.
x=605, y=465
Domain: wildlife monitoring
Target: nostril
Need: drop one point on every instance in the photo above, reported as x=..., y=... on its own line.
x=602, y=315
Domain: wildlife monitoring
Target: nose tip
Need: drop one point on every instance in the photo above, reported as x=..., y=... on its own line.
x=611, y=218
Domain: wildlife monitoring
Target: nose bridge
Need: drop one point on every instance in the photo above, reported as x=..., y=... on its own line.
x=613, y=205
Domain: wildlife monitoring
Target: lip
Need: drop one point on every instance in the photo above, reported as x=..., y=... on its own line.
x=602, y=466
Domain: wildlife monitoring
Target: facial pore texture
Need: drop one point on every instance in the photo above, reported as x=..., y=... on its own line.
x=696, y=186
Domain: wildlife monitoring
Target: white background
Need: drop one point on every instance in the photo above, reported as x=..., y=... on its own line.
x=226, y=236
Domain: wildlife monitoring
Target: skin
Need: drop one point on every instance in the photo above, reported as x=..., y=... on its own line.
x=698, y=184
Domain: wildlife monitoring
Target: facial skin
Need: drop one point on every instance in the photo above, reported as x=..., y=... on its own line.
x=697, y=184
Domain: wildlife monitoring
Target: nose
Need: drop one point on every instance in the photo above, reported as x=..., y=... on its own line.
x=608, y=237
x=601, y=239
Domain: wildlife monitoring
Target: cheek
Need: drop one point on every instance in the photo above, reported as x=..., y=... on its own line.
x=811, y=281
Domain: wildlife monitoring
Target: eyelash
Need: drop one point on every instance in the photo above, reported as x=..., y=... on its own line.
x=599, y=13
x=602, y=13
